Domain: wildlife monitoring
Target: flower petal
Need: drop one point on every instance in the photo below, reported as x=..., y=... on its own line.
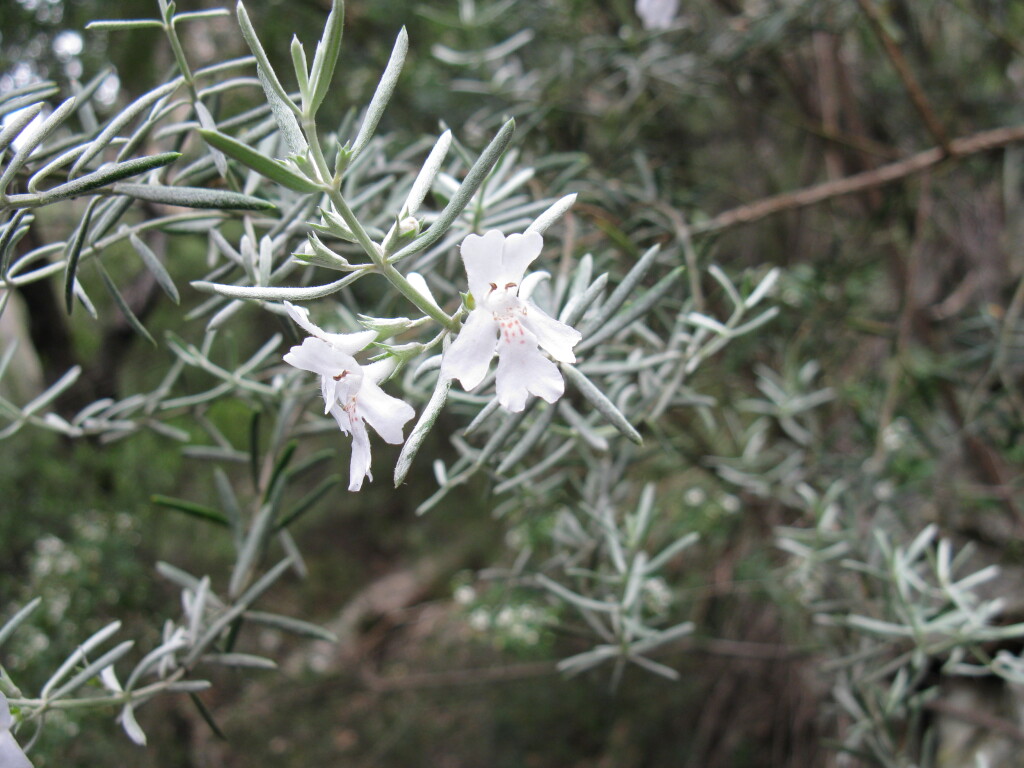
x=11, y=755
x=386, y=414
x=469, y=356
x=359, y=464
x=518, y=253
x=555, y=336
x=318, y=356
x=482, y=257
x=523, y=369
x=349, y=343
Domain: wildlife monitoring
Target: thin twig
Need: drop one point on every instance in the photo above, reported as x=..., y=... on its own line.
x=914, y=89
x=886, y=174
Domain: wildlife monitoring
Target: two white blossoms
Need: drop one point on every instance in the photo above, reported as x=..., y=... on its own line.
x=502, y=321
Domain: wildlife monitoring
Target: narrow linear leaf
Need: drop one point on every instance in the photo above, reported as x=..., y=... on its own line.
x=17, y=124
x=307, y=502
x=423, y=426
x=122, y=304
x=382, y=95
x=263, y=165
x=207, y=716
x=16, y=620
x=92, y=670
x=326, y=57
x=288, y=624
x=51, y=123
x=603, y=405
x=193, y=197
x=277, y=294
x=74, y=253
x=126, y=24
x=158, y=270
x=103, y=177
x=124, y=117
x=459, y=201
x=301, y=67
x=192, y=509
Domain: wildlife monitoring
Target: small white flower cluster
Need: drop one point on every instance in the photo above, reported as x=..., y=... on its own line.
x=502, y=321
x=519, y=624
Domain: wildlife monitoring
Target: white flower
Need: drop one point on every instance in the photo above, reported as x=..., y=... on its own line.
x=503, y=322
x=11, y=755
x=656, y=14
x=350, y=390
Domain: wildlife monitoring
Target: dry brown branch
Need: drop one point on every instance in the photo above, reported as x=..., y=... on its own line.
x=886, y=174
x=913, y=88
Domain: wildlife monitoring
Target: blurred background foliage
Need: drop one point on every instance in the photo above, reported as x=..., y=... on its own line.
x=899, y=323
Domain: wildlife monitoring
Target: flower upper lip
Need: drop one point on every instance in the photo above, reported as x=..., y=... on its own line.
x=353, y=395
x=508, y=325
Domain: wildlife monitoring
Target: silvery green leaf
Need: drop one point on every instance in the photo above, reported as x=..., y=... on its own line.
x=251, y=549
x=581, y=427
x=53, y=391
x=625, y=288
x=423, y=426
x=382, y=95
x=552, y=214
x=277, y=294
x=288, y=624
x=32, y=141
x=240, y=605
x=574, y=309
x=300, y=66
x=586, y=660
x=537, y=431
x=122, y=118
x=652, y=666
x=263, y=165
x=763, y=288
x=458, y=202
x=13, y=231
x=131, y=725
x=211, y=13
x=636, y=309
x=101, y=178
x=601, y=402
x=122, y=304
x=549, y=461
x=723, y=280
x=322, y=256
x=13, y=105
x=74, y=252
x=153, y=264
x=276, y=94
x=326, y=56
x=115, y=25
x=494, y=53
x=425, y=178
x=239, y=660
x=177, y=576
x=571, y=597
x=17, y=619
x=78, y=655
x=17, y=124
x=206, y=122
x=151, y=659
x=193, y=197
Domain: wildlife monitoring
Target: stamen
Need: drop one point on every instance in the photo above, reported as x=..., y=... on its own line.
x=494, y=287
x=340, y=376
x=508, y=285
